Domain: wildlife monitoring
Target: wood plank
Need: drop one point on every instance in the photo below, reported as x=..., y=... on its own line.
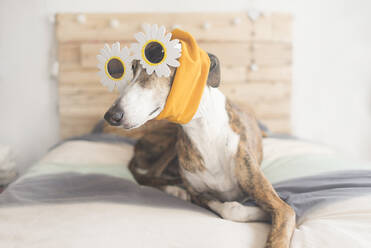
x=234, y=74
x=257, y=92
x=229, y=53
x=68, y=53
x=77, y=76
x=83, y=111
x=89, y=122
x=272, y=53
x=273, y=27
x=75, y=126
x=69, y=57
x=89, y=52
x=66, y=90
x=221, y=26
x=264, y=74
x=269, y=99
x=83, y=105
x=279, y=109
x=76, y=103
x=267, y=90
x=263, y=90
x=268, y=73
x=97, y=26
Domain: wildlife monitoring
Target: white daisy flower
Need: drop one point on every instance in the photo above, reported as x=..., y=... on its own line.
x=155, y=50
x=115, y=66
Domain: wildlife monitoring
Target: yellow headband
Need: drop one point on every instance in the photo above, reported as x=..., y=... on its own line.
x=189, y=81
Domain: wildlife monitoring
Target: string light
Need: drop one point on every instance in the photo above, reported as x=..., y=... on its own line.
x=81, y=18
x=206, y=25
x=114, y=23
x=175, y=26
x=236, y=21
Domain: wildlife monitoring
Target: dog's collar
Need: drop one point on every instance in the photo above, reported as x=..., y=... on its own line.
x=189, y=81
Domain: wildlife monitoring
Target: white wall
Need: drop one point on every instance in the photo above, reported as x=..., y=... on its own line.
x=331, y=81
x=332, y=76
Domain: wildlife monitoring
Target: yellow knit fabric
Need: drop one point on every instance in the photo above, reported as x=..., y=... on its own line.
x=189, y=81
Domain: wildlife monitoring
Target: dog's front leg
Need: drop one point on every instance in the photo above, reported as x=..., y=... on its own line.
x=254, y=183
x=235, y=211
x=177, y=191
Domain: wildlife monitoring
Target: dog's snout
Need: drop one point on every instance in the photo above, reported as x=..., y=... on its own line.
x=114, y=116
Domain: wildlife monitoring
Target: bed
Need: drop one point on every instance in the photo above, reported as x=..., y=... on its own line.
x=81, y=193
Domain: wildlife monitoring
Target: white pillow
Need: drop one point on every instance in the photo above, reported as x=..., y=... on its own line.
x=86, y=157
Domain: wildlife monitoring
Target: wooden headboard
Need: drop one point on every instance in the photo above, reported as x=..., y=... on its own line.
x=256, y=59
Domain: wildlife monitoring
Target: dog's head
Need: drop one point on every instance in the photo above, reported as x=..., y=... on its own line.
x=145, y=96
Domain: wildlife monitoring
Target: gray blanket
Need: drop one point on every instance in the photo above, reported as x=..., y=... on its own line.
x=303, y=194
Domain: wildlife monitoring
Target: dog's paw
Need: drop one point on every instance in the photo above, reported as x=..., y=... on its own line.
x=235, y=211
x=177, y=192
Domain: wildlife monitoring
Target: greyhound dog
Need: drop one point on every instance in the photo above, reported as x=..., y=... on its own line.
x=219, y=150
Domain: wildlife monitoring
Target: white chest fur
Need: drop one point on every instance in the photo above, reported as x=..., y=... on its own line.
x=212, y=135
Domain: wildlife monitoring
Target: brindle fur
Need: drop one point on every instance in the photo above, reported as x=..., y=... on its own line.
x=155, y=161
x=190, y=159
x=248, y=172
x=253, y=181
x=160, y=151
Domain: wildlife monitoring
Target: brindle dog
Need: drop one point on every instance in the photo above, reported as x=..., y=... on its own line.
x=218, y=152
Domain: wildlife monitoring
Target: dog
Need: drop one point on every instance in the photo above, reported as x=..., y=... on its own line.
x=219, y=151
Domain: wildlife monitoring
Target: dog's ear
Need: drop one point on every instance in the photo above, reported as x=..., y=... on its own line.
x=213, y=79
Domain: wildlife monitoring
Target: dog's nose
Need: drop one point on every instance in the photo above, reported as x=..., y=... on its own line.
x=114, y=116
x=117, y=116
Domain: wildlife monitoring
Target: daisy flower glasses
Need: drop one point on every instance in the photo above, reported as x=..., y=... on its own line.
x=154, y=49
x=114, y=66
